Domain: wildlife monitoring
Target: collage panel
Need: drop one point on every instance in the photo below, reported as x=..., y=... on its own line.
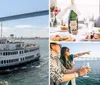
x=50, y=42
x=74, y=21
x=74, y=42
x=24, y=39
x=74, y=63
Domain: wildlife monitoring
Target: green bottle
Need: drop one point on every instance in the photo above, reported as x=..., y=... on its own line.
x=73, y=23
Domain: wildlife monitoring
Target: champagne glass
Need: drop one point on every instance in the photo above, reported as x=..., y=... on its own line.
x=86, y=64
x=89, y=24
x=86, y=22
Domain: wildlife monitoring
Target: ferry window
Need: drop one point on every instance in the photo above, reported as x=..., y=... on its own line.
x=18, y=46
x=4, y=61
x=7, y=61
x=6, y=53
x=13, y=53
x=3, y=53
x=22, y=51
x=16, y=60
x=21, y=59
x=26, y=51
x=1, y=62
x=29, y=57
x=11, y=60
x=31, y=50
x=16, y=52
x=0, y=53
x=10, y=53
x=25, y=57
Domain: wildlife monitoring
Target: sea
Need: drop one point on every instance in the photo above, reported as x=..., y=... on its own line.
x=93, y=77
x=34, y=73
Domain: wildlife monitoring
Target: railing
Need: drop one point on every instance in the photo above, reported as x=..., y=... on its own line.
x=73, y=82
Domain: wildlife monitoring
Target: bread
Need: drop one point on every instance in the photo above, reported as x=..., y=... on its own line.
x=64, y=28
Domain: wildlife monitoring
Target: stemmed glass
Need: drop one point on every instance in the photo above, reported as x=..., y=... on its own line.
x=86, y=64
x=86, y=21
x=89, y=25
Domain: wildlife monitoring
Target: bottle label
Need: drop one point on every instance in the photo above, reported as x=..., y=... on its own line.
x=73, y=25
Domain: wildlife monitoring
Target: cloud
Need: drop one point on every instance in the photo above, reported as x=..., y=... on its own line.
x=32, y=27
x=26, y=32
x=23, y=26
x=7, y=28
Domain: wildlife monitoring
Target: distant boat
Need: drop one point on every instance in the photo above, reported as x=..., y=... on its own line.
x=15, y=53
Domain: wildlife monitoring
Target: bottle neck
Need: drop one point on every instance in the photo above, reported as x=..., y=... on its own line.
x=72, y=2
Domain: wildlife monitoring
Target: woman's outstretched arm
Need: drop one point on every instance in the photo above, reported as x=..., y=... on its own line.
x=81, y=54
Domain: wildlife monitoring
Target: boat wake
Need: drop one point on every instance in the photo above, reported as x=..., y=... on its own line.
x=38, y=66
x=86, y=76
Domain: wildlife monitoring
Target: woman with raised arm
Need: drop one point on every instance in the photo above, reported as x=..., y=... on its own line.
x=67, y=59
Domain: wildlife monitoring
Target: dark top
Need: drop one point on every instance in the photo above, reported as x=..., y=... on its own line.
x=69, y=61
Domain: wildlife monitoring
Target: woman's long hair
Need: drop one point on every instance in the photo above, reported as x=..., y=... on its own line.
x=63, y=56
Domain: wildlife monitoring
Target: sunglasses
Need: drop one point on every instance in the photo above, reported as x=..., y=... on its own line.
x=67, y=50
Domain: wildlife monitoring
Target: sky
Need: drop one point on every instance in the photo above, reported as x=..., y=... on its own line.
x=25, y=27
x=83, y=47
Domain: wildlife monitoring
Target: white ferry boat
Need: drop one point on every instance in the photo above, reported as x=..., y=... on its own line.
x=15, y=53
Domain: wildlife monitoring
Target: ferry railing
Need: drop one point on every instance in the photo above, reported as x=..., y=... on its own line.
x=73, y=82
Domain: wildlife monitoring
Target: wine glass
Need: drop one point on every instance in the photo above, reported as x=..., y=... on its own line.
x=86, y=64
x=86, y=21
x=89, y=24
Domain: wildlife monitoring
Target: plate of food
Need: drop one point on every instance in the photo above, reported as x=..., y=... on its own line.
x=61, y=36
x=59, y=29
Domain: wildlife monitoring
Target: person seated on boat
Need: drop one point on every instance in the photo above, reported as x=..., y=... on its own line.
x=58, y=73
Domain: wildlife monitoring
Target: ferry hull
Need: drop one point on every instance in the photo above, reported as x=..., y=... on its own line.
x=19, y=64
